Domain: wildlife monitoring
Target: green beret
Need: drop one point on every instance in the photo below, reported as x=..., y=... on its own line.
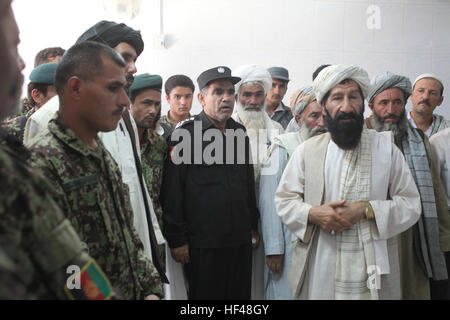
x=146, y=81
x=45, y=73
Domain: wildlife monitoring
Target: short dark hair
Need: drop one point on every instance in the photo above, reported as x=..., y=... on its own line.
x=316, y=73
x=84, y=60
x=41, y=87
x=178, y=80
x=44, y=55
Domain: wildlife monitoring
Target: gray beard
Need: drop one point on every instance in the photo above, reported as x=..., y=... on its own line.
x=398, y=129
x=306, y=132
x=251, y=119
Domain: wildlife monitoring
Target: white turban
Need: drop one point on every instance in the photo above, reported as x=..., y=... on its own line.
x=387, y=80
x=331, y=76
x=303, y=100
x=428, y=75
x=253, y=73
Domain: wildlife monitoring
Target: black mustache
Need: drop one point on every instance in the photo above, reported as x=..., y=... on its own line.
x=346, y=116
x=426, y=101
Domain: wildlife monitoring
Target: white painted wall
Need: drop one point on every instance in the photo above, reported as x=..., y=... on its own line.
x=300, y=35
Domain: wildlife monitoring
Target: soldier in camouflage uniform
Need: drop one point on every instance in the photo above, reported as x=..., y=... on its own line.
x=34, y=233
x=145, y=96
x=40, y=90
x=90, y=82
x=37, y=243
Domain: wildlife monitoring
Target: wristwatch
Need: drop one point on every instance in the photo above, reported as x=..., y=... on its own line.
x=370, y=215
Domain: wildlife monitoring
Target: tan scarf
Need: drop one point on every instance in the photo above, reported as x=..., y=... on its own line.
x=355, y=250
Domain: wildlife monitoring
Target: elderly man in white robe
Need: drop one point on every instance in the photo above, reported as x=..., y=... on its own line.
x=251, y=94
x=277, y=237
x=346, y=195
x=422, y=262
x=440, y=144
x=295, y=98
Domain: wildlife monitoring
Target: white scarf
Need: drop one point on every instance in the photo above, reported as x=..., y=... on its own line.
x=355, y=249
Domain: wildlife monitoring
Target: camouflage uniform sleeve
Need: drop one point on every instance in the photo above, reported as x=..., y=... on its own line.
x=39, y=161
x=11, y=285
x=61, y=255
x=56, y=247
x=149, y=277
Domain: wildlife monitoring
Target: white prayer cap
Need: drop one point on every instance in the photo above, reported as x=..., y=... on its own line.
x=428, y=75
x=331, y=76
x=388, y=80
x=253, y=73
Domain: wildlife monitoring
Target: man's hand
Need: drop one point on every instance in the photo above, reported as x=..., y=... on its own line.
x=327, y=218
x=181, y=254
x=152, y=297
x=275, y=262
x=255, y=239
x=352, y=212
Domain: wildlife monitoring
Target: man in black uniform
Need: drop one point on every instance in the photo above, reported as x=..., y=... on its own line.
x=208, y=195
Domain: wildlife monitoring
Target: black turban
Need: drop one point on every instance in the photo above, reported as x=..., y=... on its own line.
x=112, y=33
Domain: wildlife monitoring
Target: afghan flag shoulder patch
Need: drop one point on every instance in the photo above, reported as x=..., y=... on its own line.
x=93, y=284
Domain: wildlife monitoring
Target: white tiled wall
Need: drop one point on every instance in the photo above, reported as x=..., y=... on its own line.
x=298, y=34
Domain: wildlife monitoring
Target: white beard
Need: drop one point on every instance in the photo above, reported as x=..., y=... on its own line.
x=254, y=121
x=251, y=119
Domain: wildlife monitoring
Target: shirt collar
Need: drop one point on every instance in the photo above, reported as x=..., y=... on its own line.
x=413, y=124
x=159, y=129
x=279, y=108
x=68, y=137
x=207, y=124
x=168, y=118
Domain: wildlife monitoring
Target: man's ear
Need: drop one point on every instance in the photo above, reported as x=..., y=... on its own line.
x=167, y=99
x=441, y=100
x=201, y=98
x=36, y=95
x=75, y=87
x=370, y=105
x=298, y=119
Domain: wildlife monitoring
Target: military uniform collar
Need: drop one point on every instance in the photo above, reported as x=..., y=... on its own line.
x=68, y=137
x=168, y=118
x=159, y=129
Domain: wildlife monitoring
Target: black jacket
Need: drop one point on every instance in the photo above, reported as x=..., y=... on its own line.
x=208, y=205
